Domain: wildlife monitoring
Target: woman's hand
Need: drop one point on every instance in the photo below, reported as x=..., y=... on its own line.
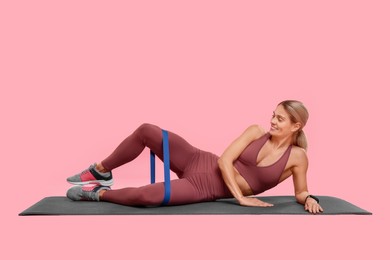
x=312, y=206
x=253, y=202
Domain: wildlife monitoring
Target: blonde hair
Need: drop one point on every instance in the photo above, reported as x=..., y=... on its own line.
x=298, y=114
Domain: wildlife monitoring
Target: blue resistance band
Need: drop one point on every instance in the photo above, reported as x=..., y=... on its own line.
x=167, y=178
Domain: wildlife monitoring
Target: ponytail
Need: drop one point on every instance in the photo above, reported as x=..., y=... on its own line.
x=300, y=140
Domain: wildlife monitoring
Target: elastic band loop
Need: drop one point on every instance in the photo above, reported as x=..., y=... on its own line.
x=167, y=178
x=152, y=167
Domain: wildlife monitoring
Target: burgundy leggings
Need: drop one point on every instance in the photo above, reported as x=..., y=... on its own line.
x=198, y=172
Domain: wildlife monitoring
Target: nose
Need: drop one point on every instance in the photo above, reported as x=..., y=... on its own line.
x=273, y=121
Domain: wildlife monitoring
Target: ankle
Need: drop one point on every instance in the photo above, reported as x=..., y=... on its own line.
x=101, y=192
x=100, y=168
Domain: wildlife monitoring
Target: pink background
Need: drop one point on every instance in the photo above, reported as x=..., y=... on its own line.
x=79, y=76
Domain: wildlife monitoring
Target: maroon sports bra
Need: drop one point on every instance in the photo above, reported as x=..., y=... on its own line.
x=260, y=178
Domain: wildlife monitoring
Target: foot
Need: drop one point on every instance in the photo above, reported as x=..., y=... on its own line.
x=91, y=176
x=85, y=192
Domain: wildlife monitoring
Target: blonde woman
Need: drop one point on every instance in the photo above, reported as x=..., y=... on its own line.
x=256, y=161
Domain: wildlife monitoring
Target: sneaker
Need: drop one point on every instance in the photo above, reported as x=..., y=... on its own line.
x=91, y=176
x=85, y=192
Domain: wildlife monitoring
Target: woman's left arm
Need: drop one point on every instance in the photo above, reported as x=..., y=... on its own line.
x=299, y=172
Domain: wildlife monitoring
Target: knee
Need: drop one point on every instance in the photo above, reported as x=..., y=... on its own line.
x=146, y=197
x=144, y=126
x=147, y=130
x=149, y=195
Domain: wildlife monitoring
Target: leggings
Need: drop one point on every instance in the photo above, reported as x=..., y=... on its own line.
x=199, y=177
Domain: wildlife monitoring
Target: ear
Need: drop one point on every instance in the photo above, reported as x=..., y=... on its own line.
x=296, y=127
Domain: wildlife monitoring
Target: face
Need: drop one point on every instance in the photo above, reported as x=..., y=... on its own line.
x=281, y=125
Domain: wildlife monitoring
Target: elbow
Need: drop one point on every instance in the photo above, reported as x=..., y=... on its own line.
x=222, y=163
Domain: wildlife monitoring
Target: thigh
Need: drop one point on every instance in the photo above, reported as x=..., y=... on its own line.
x=181, y=152
x=182, y=192
x=200, y=187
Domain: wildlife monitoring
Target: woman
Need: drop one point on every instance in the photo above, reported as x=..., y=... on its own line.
x=256, y=161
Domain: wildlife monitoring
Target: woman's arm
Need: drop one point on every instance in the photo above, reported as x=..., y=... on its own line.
x=299, y=172
x=226, y=160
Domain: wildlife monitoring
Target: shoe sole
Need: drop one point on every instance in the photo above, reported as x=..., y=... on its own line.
x=102, y=183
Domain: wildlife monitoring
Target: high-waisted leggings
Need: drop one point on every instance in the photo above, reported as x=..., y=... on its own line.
x=199, y=177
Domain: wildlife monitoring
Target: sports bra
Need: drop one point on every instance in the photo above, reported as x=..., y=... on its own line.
x=260, y=178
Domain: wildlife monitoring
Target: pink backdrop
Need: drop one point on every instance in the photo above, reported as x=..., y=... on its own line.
x=78, y=76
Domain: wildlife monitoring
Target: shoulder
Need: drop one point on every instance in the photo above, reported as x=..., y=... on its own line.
x=255, y=131
x=234, y=150
x=299, y=156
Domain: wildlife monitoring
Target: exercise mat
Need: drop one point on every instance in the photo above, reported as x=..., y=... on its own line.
x=283, y=205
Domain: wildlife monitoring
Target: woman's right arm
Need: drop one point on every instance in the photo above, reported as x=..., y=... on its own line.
x=226, y=160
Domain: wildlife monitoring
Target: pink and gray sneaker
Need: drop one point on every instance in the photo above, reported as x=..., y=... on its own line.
x=92, y=176
x=85, y=192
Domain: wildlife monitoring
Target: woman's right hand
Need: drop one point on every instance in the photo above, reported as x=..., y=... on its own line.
x=253, y=202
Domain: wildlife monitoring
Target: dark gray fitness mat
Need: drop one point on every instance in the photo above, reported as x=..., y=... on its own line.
x=282, y=205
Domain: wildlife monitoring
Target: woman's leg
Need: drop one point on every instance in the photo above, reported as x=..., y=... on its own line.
x=195, y=187
x=202, y=182
x=182, y=192
x=148, y=135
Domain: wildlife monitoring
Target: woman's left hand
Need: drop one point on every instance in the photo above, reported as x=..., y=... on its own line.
x=312, y=206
